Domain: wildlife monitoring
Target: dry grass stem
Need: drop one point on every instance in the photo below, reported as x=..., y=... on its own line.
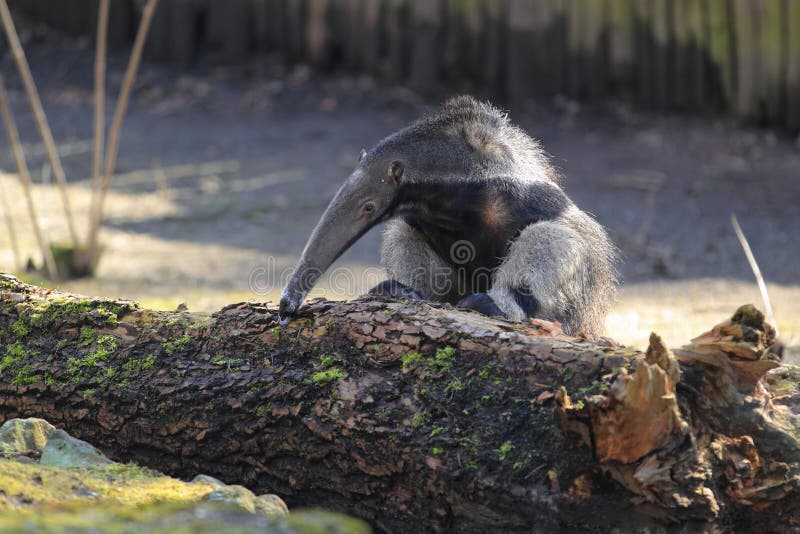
x=98, y=200
x=12, y=232
x=39, y=115
x=99, y=91
x=25, y=181
x=762, y=286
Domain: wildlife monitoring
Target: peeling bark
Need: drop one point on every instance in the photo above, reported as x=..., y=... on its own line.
x=417, y=417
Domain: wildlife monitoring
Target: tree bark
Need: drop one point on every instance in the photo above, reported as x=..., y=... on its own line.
x=419, y=417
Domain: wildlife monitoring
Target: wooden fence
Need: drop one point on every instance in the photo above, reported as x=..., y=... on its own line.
x=737, y=56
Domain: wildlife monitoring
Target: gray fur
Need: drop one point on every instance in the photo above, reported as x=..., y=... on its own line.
x=409, y=259
x=568, y=263
x=564, y=260
x=465, y=139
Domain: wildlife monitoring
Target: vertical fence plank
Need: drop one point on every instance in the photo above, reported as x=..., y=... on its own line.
x=697, y=52
x=474, y=43
x=495, y=51
x=461, y=59
x=369, y=34
x=773, y=58
x=592, y=51
x=120, y=16
x=181, y=31
x=548, y=46
x=661, y=51
x=275, y=19
x=748, y=24
x=722, y=39
x=681, y=74
x=425, y=48
x=521, y=76
x=557, y=46
x=621, y=43
x=317, y=31
x=398, y=30
x=644, y=61
x=353, y=22
x=793, y=67
x=159, y=42
x=574, y=41
x=452, y=41
x=294, y=32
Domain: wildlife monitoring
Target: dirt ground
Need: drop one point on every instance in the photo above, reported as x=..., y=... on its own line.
x=223, y=173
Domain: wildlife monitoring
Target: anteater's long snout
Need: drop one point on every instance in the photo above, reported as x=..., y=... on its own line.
x=336, y=232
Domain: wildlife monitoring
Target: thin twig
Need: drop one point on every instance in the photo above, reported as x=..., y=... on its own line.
x=99, y=91
x=762, y=286
x=38, y=113
x=12, y=231
x=98, y=200
x=25, y=181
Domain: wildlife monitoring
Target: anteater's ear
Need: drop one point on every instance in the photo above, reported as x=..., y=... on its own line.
x=395, y=172
x=362, y=154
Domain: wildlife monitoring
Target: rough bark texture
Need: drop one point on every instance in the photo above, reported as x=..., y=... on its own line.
x=418, y=417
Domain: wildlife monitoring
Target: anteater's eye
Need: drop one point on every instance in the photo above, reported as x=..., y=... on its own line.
x=367, y=209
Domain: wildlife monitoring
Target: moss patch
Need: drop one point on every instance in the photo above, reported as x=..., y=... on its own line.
x=326, y=361
x=411, y=359
x=33, y=484
x=85, y=366
x=120, y=498
x=176, y=345
x=10, y=365
x=329, y=375
x=43, y=314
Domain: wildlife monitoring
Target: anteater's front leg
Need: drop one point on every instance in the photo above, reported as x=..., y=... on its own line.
x=394, y=289
x=415, y=270
x=481, y=303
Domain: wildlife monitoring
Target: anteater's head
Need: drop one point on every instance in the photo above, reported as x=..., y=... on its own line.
x=367, y=197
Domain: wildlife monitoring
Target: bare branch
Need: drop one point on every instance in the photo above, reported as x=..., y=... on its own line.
x=25, y=181
x=98, y=200
x=12, y=232
x=751, y=259
x=39, y=115
x=99, y=91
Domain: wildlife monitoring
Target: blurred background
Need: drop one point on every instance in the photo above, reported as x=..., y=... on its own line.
x=664, y=116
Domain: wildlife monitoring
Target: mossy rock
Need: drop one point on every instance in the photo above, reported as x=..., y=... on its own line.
x=62, y=450
x=85, y=492
x=24, y=436
x=175, y=519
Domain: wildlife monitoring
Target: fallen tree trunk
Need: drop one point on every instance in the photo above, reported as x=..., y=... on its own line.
x=417, y=417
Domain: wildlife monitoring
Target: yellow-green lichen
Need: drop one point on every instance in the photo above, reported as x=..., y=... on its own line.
x=263, y=409
x=419, y=419
x=326, y=376
x=504, y=450
x=78, y=367
x=134, y=365
x=10, y=365
x=19, y=329
x=113, y=484
x=326, y=361
x=175, y=345
x=42, y=314
x=443, y=359
x=411, y=359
